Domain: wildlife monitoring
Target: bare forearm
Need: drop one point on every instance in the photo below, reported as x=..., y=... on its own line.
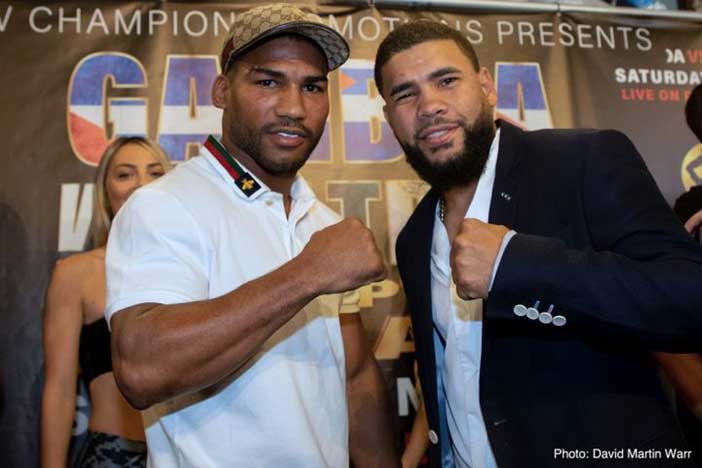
x=57, y=413
x=370, y=440
x=418, y=440
x=61, y=328
x=167, y=350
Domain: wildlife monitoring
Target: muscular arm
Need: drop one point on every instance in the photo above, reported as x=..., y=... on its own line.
x=160, y=351
x=61, y=335
x=370, y=429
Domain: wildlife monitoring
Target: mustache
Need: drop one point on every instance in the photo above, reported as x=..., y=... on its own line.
x=287, y=125
x=436, y=121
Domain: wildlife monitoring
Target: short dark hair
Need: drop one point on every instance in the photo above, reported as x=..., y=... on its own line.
x=416, y=32
x=693, y=111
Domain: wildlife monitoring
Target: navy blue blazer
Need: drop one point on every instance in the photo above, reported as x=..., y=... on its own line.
x=595, y=239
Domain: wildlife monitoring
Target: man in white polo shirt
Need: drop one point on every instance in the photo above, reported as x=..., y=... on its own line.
x=225, y=279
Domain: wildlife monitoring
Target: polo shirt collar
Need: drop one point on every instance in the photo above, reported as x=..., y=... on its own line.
x=300, y=190
x=248, y=186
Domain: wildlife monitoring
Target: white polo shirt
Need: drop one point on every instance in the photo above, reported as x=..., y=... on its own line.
x=194, y=235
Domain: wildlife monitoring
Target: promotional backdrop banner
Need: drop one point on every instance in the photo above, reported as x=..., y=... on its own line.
x=76, y=75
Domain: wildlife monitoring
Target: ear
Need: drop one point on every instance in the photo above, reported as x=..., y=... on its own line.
x=487, y=85
x=220, y=91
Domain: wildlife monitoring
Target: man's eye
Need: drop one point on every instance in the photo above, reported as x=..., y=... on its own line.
x=266, y=83
x=447, y=81
x=403, y=96
x=313, y=88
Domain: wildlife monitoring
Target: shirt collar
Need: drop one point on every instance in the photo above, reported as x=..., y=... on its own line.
x=487, y=178
x=248, y=186
x=480, y=206
x=301, y=190
x=493, y=149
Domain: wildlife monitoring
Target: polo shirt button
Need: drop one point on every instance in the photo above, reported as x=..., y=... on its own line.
x=433, y=438
x=520, y=310
x=269, y=202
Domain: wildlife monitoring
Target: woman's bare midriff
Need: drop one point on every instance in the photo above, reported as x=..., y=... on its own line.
x=110, y=412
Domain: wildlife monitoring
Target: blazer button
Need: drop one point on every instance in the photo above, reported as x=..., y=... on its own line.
x=433, y=438
x=520, y=310
x=532, y=313
x=559, y=320
x=546, y=317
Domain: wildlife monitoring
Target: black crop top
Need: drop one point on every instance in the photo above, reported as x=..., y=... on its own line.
x=95, y=354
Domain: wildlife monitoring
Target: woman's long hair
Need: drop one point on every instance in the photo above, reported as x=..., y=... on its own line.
x=102, y=211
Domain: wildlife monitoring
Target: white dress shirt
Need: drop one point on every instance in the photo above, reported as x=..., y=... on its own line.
x=459, y=327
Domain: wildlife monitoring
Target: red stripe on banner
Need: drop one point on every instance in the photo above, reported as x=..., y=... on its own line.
x=88, y=138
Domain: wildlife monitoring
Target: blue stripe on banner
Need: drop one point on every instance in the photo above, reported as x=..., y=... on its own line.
x=360, y=148
x=175, y=145
x=181, y=70
x=509, y=75
x=360, y=77
x=88, y=79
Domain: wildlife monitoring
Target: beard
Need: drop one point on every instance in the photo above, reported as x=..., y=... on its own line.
x=460, y=169
x=250, y=141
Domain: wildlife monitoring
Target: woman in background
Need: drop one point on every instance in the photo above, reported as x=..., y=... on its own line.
x=75, y=331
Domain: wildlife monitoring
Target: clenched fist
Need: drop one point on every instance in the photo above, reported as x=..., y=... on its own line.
x=343, y=257
x=473, y=254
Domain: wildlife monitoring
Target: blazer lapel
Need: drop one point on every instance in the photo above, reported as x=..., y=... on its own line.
x=416, y=276
x=420, y=229
x=505, y=192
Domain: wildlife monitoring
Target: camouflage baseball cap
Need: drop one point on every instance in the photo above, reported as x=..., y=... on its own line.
x=252, y=26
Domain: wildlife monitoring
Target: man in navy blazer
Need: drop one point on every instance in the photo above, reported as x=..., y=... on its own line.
x=540, y=270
